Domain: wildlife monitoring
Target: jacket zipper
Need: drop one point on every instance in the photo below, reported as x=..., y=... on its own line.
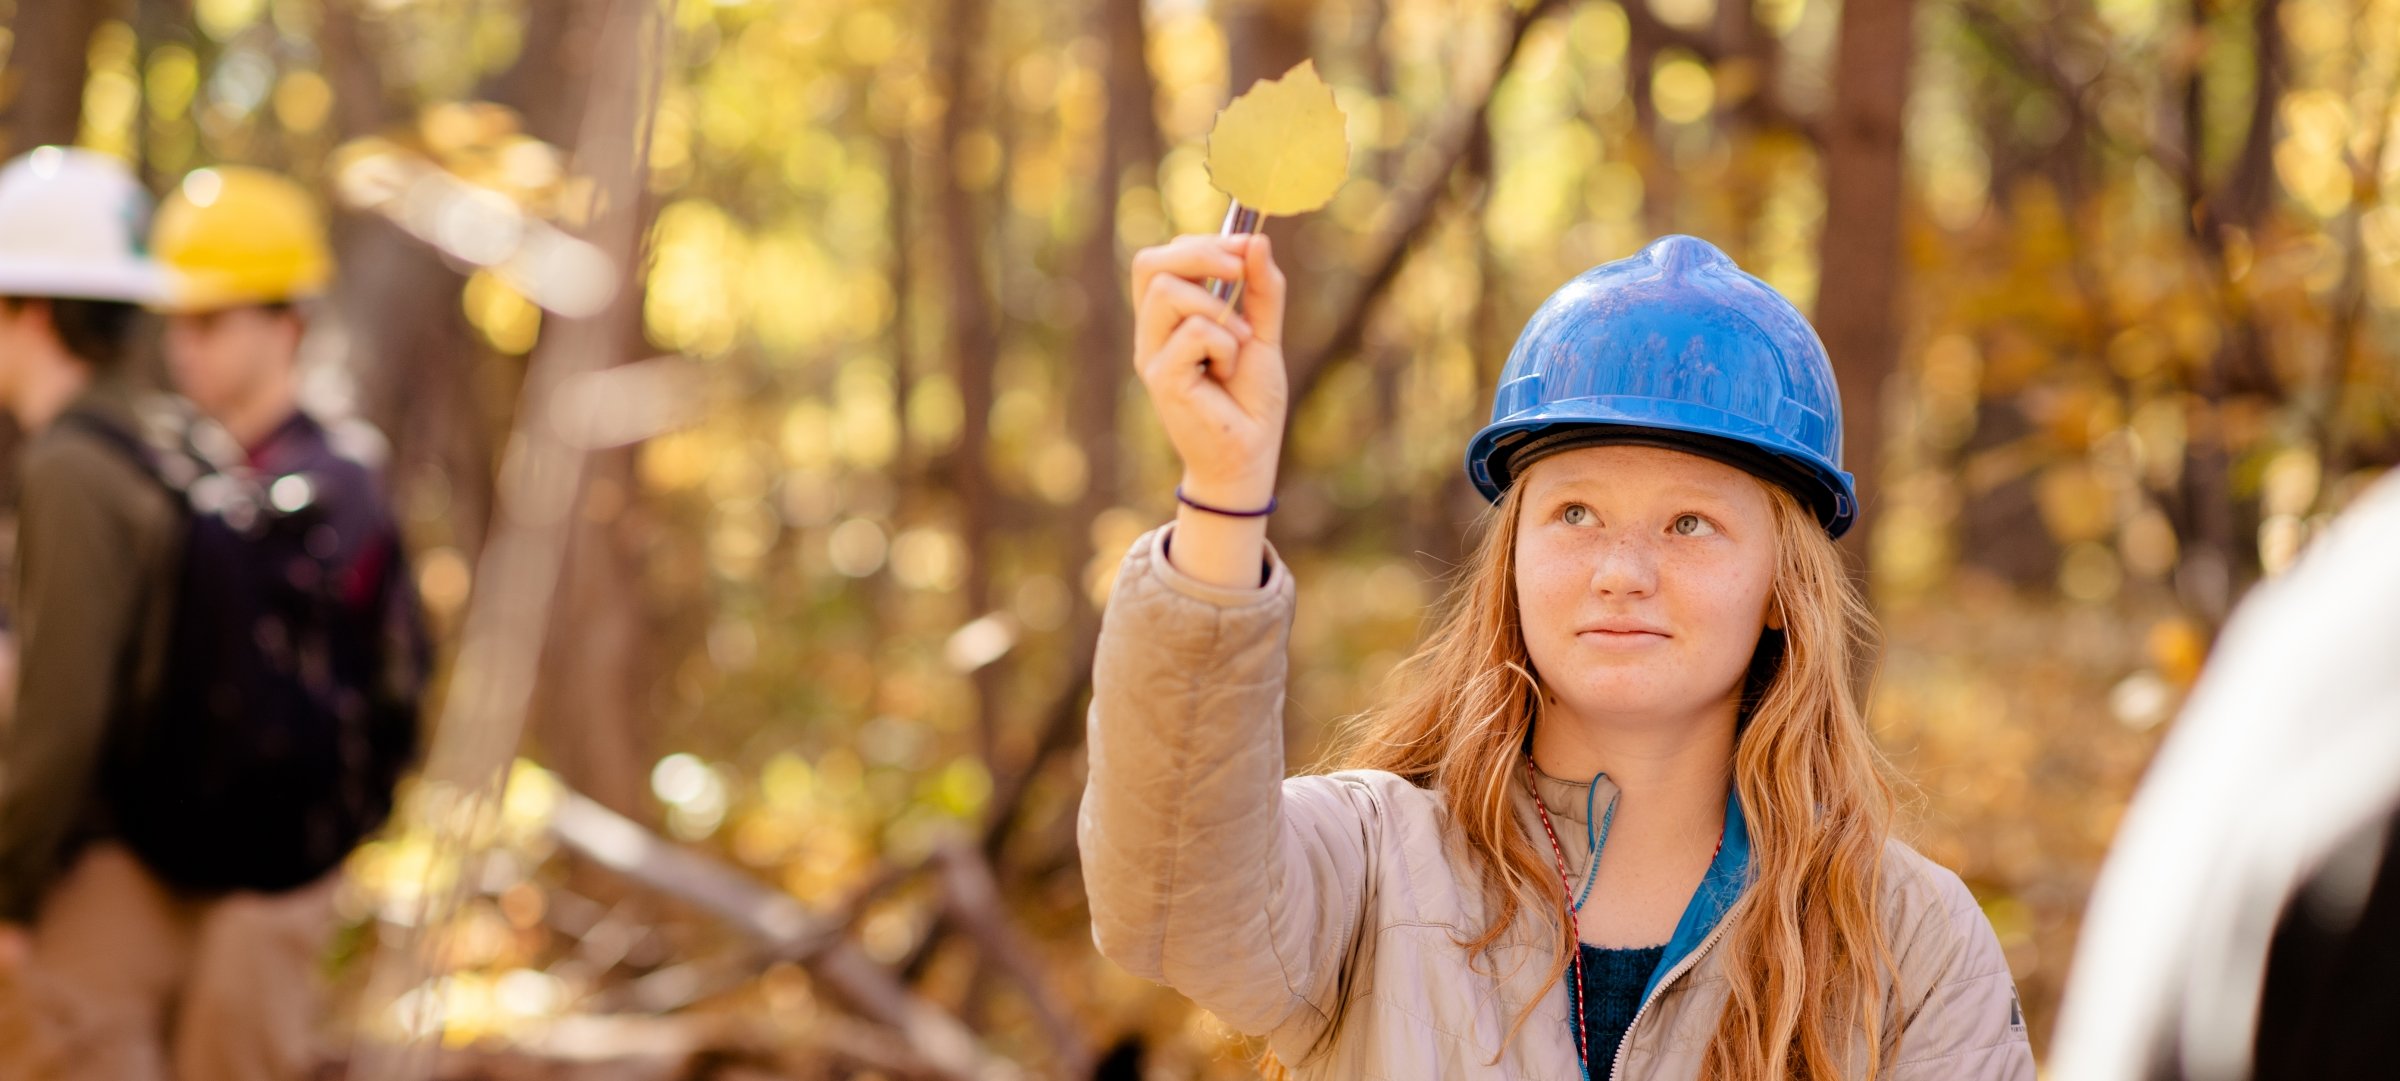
x=1689, y=962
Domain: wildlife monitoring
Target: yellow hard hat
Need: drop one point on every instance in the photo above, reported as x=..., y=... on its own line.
x=232, y=235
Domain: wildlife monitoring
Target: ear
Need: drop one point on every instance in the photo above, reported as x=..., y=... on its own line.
x=1774, y=613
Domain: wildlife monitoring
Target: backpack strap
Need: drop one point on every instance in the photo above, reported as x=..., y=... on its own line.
x=115, y=435
x=147, y=455
x=106, y=431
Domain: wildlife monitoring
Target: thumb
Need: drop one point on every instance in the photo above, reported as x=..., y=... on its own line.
x=1263, y=290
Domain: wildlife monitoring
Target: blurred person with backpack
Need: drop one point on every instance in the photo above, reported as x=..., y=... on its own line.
x=96, y=549
x=272, y=689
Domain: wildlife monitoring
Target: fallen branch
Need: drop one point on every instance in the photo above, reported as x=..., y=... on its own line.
x=972, y=897
x=784, y=927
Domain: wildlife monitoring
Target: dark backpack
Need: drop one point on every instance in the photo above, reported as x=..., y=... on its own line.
x=288, y=705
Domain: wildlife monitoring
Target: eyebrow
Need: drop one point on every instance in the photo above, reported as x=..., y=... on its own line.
x=1677, y=490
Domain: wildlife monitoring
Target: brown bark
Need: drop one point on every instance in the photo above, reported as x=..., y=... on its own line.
x=41, y=101
x=560, y=37
x=509, y=617
x=1264, y=39
x=974, y=327
x=592, y=716
x=1130, y=141
x=413, y=351
x=1859, y=260
x=2219, y=563
x=41, y=93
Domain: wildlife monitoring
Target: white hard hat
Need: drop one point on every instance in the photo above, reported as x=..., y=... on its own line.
x=72, y=225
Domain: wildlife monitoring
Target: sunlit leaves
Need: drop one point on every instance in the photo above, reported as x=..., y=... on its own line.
x=112, y=94
x=222, y=19
x=2313, y=159
x=697, y=289
x=506, y=319
x=173, y=78
x=1683, y=90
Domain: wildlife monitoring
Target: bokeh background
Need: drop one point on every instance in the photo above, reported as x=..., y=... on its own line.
x=756, y=375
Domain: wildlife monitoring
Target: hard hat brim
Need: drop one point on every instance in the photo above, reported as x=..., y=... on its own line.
x=127, y=282
x=1826, y=489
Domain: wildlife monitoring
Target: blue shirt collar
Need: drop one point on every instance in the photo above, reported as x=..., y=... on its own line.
x=1719, y=889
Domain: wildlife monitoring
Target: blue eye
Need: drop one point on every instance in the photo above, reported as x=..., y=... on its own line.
x=1692, y=525
x=1575, y=514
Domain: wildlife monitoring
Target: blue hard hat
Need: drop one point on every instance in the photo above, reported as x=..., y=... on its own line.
x=1674, y=347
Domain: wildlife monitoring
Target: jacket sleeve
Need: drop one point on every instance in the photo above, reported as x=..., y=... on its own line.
x=1205, y=868
x=79, y=611
x=1959, y=1015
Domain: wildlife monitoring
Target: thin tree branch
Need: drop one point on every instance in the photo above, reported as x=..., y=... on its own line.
x=1764, y=106
x=1416, y=216
x=973, y=899
x=2043, y=72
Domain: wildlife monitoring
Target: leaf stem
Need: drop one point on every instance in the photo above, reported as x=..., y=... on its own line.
x=1239, y=220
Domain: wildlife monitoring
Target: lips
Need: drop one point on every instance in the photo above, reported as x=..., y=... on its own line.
x=1623, y=630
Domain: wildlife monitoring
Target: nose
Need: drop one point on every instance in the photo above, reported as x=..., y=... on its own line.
x=1627, y=567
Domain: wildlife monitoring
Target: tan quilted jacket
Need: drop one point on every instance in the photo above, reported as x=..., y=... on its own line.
x=1325, y=912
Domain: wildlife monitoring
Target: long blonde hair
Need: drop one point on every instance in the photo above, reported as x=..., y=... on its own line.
x=1807, y=954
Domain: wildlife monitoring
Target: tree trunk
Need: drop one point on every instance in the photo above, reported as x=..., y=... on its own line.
x=1860, y=248
x=592, y=715
x=411, y=349
x=1130, y=140
x=1264, y=39
x=48, y=62
x=41, y=101
x=974, y=330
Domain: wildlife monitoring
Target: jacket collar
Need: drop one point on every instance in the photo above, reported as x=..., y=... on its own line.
x=1573, y=803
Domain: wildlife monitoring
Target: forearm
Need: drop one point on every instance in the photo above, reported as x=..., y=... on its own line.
x=1202, y=872
x=1186, y=743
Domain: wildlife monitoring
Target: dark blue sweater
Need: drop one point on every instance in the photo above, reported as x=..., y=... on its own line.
x=1614, y=980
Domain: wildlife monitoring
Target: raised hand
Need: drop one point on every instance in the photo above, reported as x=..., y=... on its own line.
x=1219, y=388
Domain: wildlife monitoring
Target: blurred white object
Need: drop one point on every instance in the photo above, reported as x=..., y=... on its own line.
x=72, y=225
x=2290, y=745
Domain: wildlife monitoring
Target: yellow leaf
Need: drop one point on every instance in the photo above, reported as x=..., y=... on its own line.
x=1283, y=148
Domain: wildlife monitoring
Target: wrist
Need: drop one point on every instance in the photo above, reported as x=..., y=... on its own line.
x=1245, y=493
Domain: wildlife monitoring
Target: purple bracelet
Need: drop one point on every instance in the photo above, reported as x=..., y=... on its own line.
x=1197, y=505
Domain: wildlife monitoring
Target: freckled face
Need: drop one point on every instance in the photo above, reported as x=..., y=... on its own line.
x=1643, y=579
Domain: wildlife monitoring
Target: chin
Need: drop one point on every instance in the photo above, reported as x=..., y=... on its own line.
x=1596, y=693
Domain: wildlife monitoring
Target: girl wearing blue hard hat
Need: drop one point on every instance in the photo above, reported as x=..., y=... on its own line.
x=1621, y=816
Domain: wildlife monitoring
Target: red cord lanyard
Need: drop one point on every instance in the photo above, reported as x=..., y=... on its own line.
x=1566, y=897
